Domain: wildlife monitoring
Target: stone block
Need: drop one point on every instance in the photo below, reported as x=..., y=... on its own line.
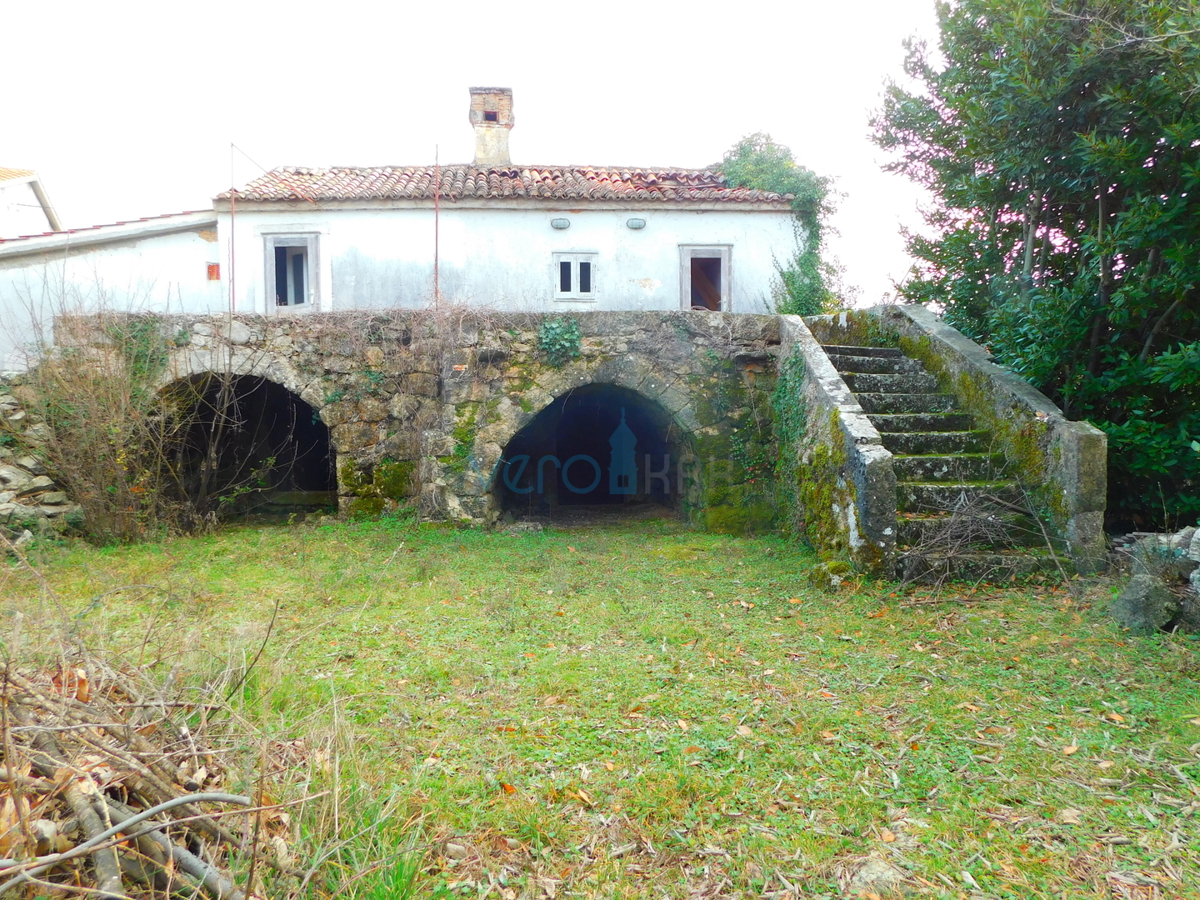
x=403, y=445
x=354, y=437
x=1145, y=606
x=38, y=483
x=403, y=407
x=371, y=409
x=420, y=384
x=38, y=433
x=31, y=465
x=14, y=479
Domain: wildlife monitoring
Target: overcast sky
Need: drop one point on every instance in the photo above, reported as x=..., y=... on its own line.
x=128, y=109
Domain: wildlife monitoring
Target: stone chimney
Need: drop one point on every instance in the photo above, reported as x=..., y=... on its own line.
x=492, y=116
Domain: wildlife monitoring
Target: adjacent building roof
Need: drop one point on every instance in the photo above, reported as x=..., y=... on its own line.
x=523, y=182
x=31, y=178
x=103, y=234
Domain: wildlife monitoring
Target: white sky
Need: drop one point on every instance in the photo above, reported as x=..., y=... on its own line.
x=128, y=109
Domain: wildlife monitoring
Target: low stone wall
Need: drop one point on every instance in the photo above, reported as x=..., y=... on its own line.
x=30, y=500
x=845, y=489
x=1063, y=464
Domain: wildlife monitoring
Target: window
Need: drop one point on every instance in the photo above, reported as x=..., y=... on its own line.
x=490, y=115
x=704, y=276
x=575, y=276
x=291, y=267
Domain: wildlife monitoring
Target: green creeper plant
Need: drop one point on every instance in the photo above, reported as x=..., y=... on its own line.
x=808, y=281
x=559, y=341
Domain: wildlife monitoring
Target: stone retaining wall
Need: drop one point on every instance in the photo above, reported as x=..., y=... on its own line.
x=420, y=404
x=29, y=498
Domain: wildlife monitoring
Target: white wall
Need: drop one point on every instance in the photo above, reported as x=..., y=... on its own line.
x=20, y=211
x=502, y=257
x=166, y=272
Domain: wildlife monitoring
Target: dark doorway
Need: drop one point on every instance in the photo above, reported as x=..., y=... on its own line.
x=706, y=283
x=247, y=445
x=598, y=446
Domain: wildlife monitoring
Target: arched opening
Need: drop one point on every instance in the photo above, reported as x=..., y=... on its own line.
x=244, y=445
x=597, y=452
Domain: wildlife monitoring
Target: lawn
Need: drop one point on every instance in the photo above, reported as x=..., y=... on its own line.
x=645, y=711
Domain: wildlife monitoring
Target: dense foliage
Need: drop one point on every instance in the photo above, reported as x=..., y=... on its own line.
x=1061, y=144
x=808, y=281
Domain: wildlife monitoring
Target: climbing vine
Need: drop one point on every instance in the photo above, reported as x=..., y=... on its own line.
x=559, y=341
x=808, y=282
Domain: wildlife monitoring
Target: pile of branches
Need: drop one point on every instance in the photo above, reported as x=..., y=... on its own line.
x=109, y=794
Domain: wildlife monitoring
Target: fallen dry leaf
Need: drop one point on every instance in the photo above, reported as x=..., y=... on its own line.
x=692, y=749
x=1069, y=816
x=744, y=730
x=1067, y=751
x=1116, y=717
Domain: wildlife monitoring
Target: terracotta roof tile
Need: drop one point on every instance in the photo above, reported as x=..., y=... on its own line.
x=460, y=182
x=9, y=174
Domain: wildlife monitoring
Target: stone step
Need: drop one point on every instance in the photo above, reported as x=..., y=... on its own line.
x=957, y=467
x=936, y=443
x=843, y=350
x=1000, y=529
x=884, y=365
x=907, y=403
x=910, y=383
x=928, y=568
x=923, y=422
x=948, y=496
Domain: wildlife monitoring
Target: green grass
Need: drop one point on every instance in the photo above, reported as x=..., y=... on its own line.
x=650, y=712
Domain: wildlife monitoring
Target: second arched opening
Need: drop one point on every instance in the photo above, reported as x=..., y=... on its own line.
x=598, y=451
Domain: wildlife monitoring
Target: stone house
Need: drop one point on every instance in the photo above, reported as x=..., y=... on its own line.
x=512, y=237
x=540, y=239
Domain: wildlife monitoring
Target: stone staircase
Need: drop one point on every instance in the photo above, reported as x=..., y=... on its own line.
x=959, y=514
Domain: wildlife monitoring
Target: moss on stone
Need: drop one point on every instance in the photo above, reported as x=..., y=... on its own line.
x=749, y=518
x=822, y=490
x=396, y=479
x=365, y=507
x=1025, y=442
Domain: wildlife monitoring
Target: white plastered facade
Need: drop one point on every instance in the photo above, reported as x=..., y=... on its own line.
x=503, y=254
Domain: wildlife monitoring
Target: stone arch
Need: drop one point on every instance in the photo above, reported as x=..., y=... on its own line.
x=575, y=421
x=247, y=443
x=194, y=360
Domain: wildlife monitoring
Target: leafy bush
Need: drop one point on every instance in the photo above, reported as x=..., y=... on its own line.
x=1063, y=152
x=807, y=283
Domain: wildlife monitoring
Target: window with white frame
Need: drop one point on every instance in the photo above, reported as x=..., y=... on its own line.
x=575, y=276
x=704, y=276
x=291, y=270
